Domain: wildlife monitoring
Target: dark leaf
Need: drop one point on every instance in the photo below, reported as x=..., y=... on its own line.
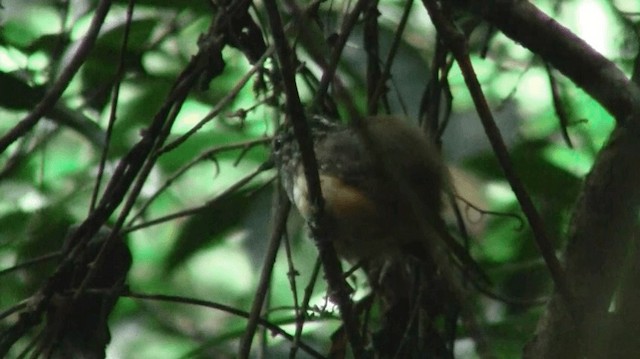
x=208, y=226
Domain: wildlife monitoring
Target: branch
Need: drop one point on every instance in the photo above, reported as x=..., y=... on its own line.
x=56, y=90
x=225, y=308
x=603, y=80
x=125, y=174
x=600, y=234
x=331, y=265
x=280, y=220
x=606, y=214
x=457, y=43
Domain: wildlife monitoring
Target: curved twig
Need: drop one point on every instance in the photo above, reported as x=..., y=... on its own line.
x=222, y=307
x=457, y=43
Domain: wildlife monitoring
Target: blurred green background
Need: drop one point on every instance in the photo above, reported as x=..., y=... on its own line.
x=47, y=177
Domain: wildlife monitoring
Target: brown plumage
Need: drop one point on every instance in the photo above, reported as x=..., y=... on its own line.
x=383, y=184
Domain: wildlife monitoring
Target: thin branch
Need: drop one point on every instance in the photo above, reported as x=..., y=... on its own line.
x=280, y=220
x=7, y=312
x=138, y=180
x=457, y=43
x=30, y=262
x=58, y=87
x=114, y=104
x=116, y=190
x=558, y=105
x=191, y=211
x=329, y=72
x=301, y=314
x=292, y=274
x=182, y=170
x=386, y=71
x=470, y=206
x=331, y=264
x=27, y=145
x=225, y=308
x=309, y=36
x=219, y=105
x=602, y=79
x=372, y=48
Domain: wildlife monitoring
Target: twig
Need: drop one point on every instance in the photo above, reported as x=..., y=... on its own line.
x=117, y=188
x=456, y=42
x=379, y=86
x=147, y=162
x=114, y=104
x=338, y=46
x=16, y=308
x=280, y=220
x=58, y=87
x=469, y=205
x=219, y=105
x=182, y=170
x=30, y=262
x=301, y=315
x=599, y=77
x=558, y=105
x=371, y=43
x=292, y=274
x=191, y=211
x=317, y=47
x=331, y=264
x=224, y=308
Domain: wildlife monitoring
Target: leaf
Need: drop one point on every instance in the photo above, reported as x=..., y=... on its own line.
x=16, y=94
x=540, y=176
x=12, y=227
x=208, y=226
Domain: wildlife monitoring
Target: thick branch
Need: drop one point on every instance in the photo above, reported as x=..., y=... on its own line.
x=602, y=227
x=533, y=29
x=606, y=214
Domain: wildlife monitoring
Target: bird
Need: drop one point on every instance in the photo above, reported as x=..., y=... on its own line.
x=383, y=183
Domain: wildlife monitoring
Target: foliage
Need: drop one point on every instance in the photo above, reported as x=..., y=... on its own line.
x=199, y=223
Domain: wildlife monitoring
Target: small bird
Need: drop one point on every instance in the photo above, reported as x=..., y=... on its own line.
x=383, y=184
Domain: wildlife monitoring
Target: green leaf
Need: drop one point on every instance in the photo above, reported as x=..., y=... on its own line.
x=208, y=226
